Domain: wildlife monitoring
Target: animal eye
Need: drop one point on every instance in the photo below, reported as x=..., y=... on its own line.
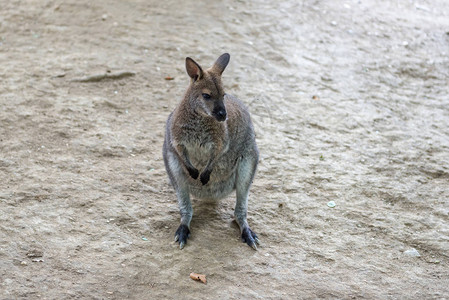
x=206, y=96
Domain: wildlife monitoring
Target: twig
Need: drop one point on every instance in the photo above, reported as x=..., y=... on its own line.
x=100, y=77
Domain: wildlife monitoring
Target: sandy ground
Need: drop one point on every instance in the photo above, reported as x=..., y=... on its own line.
x=350, y=104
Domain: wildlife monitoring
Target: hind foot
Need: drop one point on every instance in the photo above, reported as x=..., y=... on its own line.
x=249, y=237
x=181, y=235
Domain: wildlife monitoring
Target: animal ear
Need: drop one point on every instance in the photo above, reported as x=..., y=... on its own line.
x=221, y=63
x=193, y=69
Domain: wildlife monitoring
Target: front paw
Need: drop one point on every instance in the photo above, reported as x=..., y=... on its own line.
x=193, y=172
x=205, y=176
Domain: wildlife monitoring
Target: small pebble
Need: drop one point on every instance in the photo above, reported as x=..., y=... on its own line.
x=331, y=204
x=412, y=252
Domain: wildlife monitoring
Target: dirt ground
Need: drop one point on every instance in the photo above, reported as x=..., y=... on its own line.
x=350, y=104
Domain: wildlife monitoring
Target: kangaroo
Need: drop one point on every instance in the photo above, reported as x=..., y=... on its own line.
x=209, y=148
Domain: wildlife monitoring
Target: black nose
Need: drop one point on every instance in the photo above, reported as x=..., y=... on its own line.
x=221, y=115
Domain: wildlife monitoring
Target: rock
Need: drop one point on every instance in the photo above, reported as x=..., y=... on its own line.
x=412, y=252
x=35, y=253
x=331, y=204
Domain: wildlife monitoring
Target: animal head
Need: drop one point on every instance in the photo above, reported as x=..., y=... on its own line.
x=206, y=89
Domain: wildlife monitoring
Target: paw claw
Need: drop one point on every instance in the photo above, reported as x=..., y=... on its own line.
x=253, y=245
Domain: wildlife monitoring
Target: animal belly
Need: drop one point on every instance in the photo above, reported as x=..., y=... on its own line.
x=215, y=189
x=222, y=177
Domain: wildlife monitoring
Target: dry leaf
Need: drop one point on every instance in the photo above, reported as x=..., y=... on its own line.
x=198, y=277
x=169, y=78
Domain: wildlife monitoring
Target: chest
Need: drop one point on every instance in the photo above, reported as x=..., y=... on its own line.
x=203, y=147
x=199, y=152
x=204, y=141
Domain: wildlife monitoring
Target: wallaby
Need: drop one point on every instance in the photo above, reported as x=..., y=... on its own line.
x=210, y=135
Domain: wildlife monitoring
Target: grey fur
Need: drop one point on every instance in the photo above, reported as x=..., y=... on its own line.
x=207, y=156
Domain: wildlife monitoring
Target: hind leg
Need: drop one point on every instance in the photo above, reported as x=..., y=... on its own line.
x=186, y=210
x=179, y=181
x=245, y=175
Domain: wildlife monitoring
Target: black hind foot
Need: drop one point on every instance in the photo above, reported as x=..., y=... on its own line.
x=249, y=237
x=181, y=235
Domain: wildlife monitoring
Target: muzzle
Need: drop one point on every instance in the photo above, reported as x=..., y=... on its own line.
x=220, y=114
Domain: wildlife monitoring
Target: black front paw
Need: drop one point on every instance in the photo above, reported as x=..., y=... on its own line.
x=205, y=176
x=193, y=172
